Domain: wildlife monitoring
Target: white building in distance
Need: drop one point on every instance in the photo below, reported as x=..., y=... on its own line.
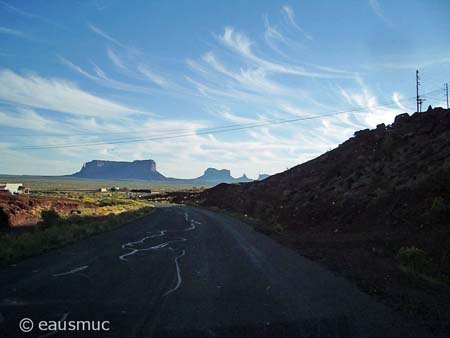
x=14, y=188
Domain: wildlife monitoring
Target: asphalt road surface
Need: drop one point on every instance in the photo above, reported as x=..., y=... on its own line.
x=187, y=272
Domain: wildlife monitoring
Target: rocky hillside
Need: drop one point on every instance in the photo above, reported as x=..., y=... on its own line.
x=137, y=170
x=390, y=181
x=18, y=211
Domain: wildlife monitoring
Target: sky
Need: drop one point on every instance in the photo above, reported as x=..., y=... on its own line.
x=163, y=80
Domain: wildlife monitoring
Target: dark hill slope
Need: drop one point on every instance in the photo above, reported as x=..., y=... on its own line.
x=391, y=175
x=376, y=209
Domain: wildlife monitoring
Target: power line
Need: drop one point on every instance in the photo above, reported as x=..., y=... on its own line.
x=146, y=131
x=135, y=131
x=215, y=130
x=436, y=95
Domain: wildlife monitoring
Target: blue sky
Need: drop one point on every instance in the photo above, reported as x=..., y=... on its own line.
x=82, y=72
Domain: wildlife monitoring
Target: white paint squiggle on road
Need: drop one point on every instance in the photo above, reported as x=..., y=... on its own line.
x=179, y=280
x=133, y=249
x=81, y=268
x=155, y=247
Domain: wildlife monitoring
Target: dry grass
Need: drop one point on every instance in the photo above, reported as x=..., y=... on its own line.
x=57, y=230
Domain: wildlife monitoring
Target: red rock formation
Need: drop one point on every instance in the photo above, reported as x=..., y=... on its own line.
x=25, y=210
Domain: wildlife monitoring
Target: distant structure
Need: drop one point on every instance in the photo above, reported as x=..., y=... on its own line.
x=139, y=193
x=136, y=170
x=419, y=99
x=14, y=188
x=221, y=176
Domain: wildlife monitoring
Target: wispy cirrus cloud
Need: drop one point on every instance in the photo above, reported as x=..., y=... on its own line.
x=30, y=90
x=250, y=75
x=376, y=8
x=278, y=41
x=101, y=78
x=397, y=98
x=227, y=115
x=377, y=112
x=129, y=62
x=100, y=32
x=115, y=59
x=289, y=15
x=35, y=121
x=427, y=59
x=237, y=78
x=106, y=36
x=139, y=79
x=30, y=15
x=13, y=32
x=152, y=76
x=242, y=45
x=237, y=69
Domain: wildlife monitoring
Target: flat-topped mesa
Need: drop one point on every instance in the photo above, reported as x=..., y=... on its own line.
x=213, y=174
x=138, y=169
x=221, y=175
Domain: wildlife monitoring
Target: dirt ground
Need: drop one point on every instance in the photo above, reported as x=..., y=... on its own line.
x=17, y=211
x=369, y=261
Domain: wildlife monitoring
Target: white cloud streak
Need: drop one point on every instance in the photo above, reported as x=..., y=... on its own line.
x=13, y=32
x=289, y=15
x=56, y=94
x=106, y=36
x=152, y=76
x=34, y=121
x=246, y=82
x=376, y=8
x=115, y=59
x=30, y=15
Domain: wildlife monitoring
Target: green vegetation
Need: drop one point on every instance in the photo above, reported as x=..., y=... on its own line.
x=414, y=259
x=112, y=201
x=440, y=206
x=57, y=230
x=417, y=263
x=50, y=218
x=48, y=183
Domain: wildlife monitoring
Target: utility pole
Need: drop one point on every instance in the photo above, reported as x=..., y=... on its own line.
x=419, y=100
x=446, y=93
x=417, y=90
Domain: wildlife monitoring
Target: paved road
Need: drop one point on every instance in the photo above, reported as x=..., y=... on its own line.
x=188, y=272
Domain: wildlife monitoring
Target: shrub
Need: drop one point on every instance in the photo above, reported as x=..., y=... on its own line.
x=279, y=228
x=50, y=217
x=112, y=202
x=414, y=259
x=440, y=205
